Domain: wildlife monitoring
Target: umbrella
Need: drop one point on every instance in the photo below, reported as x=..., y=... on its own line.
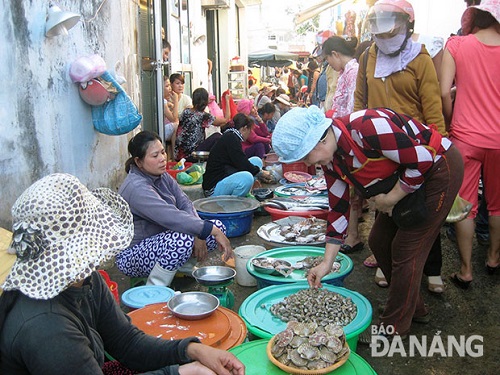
x=271, y=57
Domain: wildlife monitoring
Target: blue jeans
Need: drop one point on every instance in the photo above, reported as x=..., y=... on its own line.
x=238, y=183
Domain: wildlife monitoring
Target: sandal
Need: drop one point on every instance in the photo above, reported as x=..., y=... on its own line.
x=380, y=279
x=370, y=262
x=435, y=284
x=463, y=284
x=348, y=249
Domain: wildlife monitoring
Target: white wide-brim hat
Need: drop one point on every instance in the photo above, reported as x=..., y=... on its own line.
x=62, y=232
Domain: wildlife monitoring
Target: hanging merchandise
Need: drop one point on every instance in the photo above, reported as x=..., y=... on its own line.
x=94, y=92
x=86, y=68
x=117, y=116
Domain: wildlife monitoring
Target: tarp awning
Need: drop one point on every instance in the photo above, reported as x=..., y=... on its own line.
x=271, y=57
x=314, y=10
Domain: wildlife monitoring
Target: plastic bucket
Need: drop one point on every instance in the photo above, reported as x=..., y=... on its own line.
x=241, y=256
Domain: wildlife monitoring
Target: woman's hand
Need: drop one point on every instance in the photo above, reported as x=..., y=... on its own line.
x=200, y=249
x=219, y=361
x=386, y=202
x=224, y=244
x=317, y=273
x=382, y=203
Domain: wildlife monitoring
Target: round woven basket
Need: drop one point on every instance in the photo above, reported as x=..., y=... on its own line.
x=297, y=371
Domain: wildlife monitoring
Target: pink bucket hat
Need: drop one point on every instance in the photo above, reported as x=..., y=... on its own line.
x=245, y=106
x=490, y=6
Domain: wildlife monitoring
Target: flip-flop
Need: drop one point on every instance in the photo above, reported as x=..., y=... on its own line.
x=370, y=262
x=347, y=249
x=463, y=284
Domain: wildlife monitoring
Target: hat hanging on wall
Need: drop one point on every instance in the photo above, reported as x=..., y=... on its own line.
x=59, y=22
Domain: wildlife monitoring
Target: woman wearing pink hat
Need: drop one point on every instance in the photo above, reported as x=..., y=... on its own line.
x=471, y=61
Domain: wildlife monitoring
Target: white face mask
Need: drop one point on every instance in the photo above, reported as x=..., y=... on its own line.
x=390, y=45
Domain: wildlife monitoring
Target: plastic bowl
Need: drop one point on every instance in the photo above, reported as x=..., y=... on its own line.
x=193, y=305
x=214, y=275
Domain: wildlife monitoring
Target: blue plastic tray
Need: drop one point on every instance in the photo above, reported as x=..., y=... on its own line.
x=256, y=309
x=293, y=254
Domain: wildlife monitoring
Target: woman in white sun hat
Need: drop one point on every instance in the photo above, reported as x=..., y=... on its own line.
x=57, y=315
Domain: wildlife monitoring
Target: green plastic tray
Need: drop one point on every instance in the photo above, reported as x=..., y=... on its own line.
x=254, y=357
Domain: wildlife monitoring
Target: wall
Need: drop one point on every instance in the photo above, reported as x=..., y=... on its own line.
x=45, y=126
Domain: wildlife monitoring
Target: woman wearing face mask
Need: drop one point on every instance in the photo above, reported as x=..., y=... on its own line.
x=400, y=75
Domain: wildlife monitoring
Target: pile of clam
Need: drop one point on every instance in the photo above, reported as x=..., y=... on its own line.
x=309, y=346
x=319, y=306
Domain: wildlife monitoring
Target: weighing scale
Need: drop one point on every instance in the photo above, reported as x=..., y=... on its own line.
x=217, y=279
x=225, y=295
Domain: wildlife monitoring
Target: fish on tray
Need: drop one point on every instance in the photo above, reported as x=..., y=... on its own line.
x=298, y=203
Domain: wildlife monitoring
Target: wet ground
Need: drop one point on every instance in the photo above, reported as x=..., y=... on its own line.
x=472, y=315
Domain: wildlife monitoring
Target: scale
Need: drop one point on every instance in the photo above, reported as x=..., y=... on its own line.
x=225, y=295
x=217, y=279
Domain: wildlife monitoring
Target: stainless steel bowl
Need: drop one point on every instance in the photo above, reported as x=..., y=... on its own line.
x=193, y=305
x=213, y=275
x=200, y=155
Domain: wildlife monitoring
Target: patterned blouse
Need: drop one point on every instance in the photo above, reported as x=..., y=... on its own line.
x=191, y=131
x=372, y=145
x=343, y=101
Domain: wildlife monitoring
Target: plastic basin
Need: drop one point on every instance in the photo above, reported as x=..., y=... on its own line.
x=255, y=311
x=277, y=214
x=254, y=357
x=174, y=172
x=293, y=254
x=237, y=224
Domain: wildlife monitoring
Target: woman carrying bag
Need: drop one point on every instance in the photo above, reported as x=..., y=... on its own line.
x=371, y=145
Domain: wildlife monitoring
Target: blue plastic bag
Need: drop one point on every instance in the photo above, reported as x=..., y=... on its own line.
x=118, y=116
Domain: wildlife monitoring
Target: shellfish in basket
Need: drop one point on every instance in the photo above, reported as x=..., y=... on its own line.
x=309, y=348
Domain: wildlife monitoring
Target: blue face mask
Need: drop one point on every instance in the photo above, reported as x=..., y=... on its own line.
x=390, y=45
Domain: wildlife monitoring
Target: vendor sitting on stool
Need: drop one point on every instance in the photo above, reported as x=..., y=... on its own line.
x=167, y=228
x=229, y=171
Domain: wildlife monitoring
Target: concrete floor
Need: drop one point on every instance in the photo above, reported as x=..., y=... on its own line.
x=456, y=312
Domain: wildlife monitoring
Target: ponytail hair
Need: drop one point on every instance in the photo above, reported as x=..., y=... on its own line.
x=138, y=146
x=345, y=46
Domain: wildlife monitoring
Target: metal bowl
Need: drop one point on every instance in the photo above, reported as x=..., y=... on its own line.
x=270, y=270
x=213, y=275
x=200, y=155
x=193, y=305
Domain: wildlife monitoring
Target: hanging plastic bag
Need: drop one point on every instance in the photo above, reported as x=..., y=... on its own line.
x=459, y=211
x=118, y=116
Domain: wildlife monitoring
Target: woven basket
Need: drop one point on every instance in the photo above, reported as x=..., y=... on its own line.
x=296, y=371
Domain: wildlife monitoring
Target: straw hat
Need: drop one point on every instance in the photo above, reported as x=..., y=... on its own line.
x=284, y=98
x=62, y=232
